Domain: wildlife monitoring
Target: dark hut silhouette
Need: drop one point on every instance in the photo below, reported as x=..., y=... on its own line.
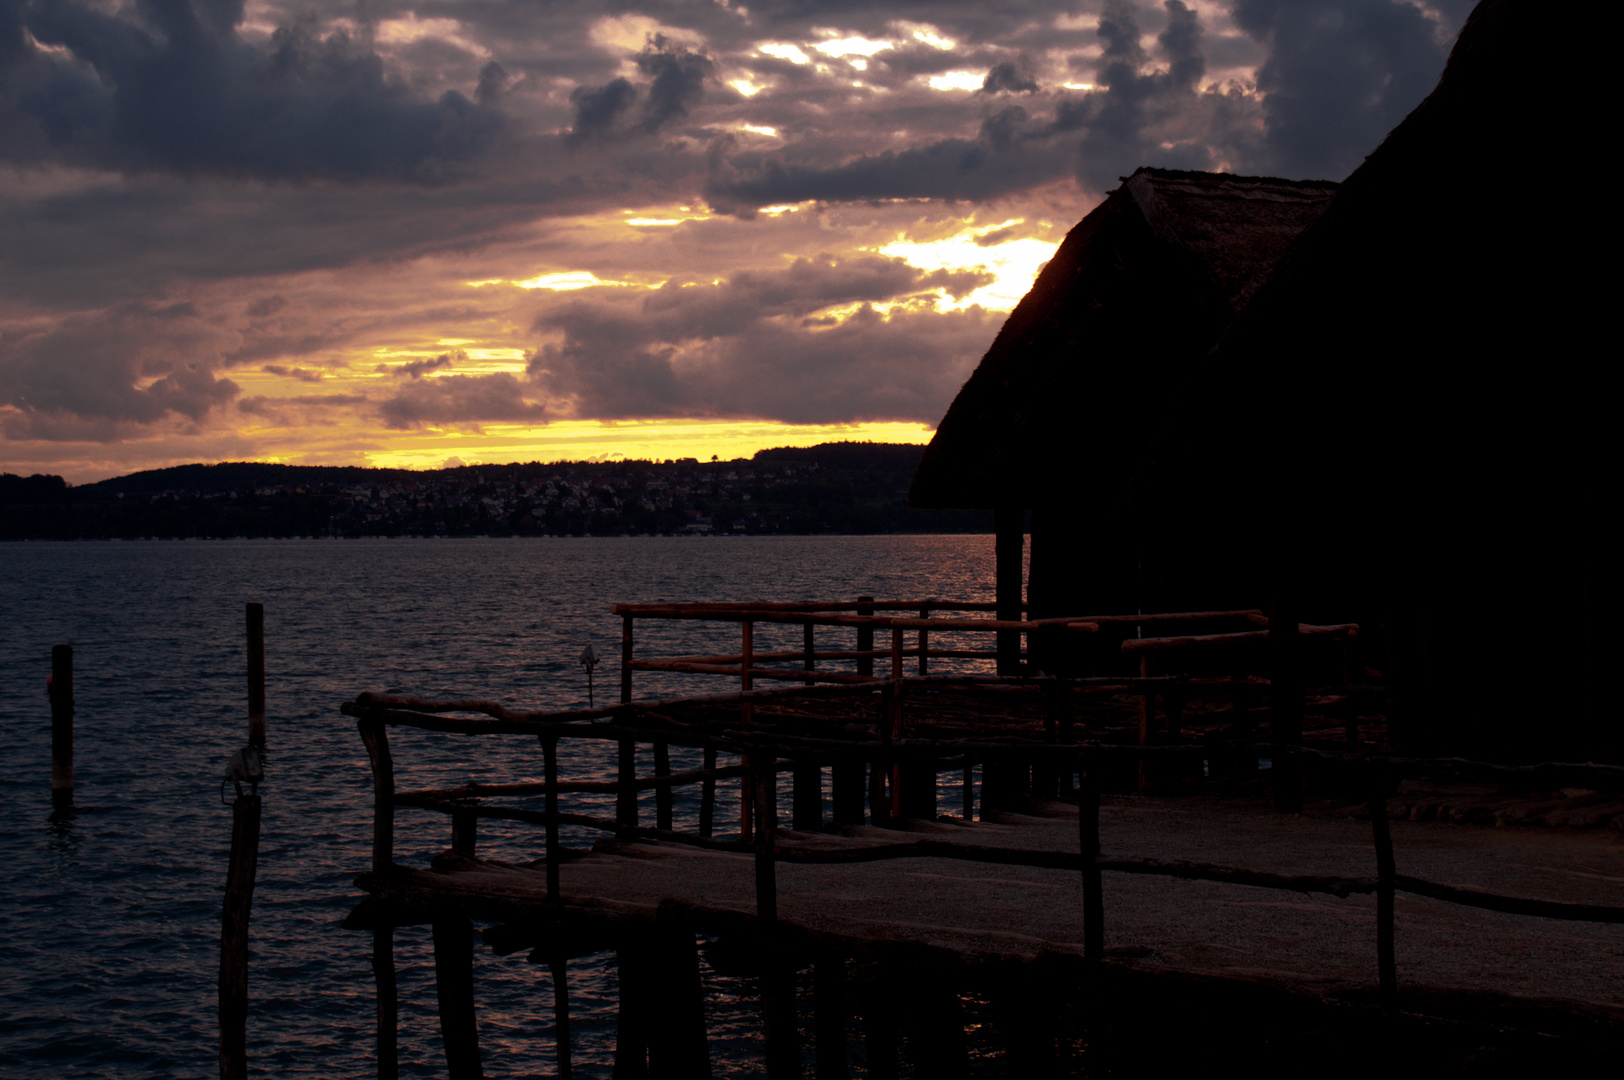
x=1424, y=441
x=1078, y=386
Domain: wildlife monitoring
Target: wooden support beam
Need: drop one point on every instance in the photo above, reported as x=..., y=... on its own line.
x=375, y=737
x=847, y=780
x=678, y=1045
x=1088, y=848
x=829, y=1018
x=454, y=986
x=626, y=776
x=707, y=795
x=549, y=754
x=1285, y=699
x=935, y=1021
x=806, y=804
x=625, y=659
x=638, y=979
x=662, y=795
x=865, y=636
x=559, y=967
x=383, y=973
x=464, y=832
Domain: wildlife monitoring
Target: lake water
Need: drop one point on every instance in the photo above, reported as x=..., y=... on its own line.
x=110, y=916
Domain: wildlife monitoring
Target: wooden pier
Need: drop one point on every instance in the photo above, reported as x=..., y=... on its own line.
x=1055, y=882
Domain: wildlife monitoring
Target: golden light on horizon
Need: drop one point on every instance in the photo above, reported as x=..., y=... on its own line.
x=1014, y=263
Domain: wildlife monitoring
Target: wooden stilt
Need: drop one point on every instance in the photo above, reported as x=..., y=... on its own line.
x=880, y=1033
x=678, y=1047
x=936, y=1031
x=561, y=1013
x=626, y=775
x=549, y=753
x=662, y=795
x=1025, y=1010
x=829, y=1018
x=707, y=795
x=625, y=659
x=969, y=792
x=806, y=813
x=1285, y=701
x=383, y=973
x=454, y=985
x=234, y=938
x=847, y=780
x=865, y=636
x=633, y=964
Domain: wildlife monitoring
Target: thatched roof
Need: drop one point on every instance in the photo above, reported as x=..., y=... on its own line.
x=1081, y=374
x=1426, y=442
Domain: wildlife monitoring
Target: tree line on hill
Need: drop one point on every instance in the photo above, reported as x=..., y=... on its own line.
x=845, y=487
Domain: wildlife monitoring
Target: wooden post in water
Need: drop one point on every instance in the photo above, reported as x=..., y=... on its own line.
x=679, y=1048
x=747, y=651
x=383, y=971
x=256, y=675
x=454, y=986
x=924, y=643
x=61, y=694
x=829, y=1018
x=662, y=794
x=626, y=786
x=234, y=938
x=625, y=659
x=777, y=977
x=707, y=795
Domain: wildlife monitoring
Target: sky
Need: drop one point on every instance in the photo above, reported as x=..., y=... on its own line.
x=413, y=233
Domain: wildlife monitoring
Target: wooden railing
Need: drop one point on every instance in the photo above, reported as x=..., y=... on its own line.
x=764, y=755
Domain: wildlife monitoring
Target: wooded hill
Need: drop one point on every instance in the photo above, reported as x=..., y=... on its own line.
x=832, y=488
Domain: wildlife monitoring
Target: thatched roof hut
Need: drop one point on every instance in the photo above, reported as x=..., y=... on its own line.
x=1077, y=388
x=1405, y=425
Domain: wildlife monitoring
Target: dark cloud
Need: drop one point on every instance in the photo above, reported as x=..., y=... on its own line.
x=462, y=401
x=136, y=363
x=1010, y=76
x=299, y=373
x=1339, y=75
x=169, y=85
x=280, y=409
x=749, y=347
x=677, y=84
x=416, y=369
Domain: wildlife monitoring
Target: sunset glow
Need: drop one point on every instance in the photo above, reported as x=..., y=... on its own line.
x=670, y=231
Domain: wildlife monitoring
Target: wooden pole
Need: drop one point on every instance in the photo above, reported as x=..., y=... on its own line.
x=375, y=737
x=256, y=675
x=662, y=794
x=924, y=643
x=679, y=1048
x=763, y=784
x=808, y=652
x=561, y=1013
x=634, y=967
x=806, y=803
x=234, y=938
x=454, y=986
x=829, y=1018
x=707, y=794
x=626, y=777
x=61, y=693
x=1009, y=542
x=747, y=649
x=625, y=659
x=549, y=754
x=383, y=972
x=1386, y=968
x=865, y=636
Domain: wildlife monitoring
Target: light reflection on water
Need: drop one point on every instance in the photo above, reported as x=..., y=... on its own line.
x=109, y=916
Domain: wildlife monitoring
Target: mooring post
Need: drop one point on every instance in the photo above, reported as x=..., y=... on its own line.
x=383, y=972
x=60, y=689
x=256, y=675
x=1387, y=971
x=234, y=938
x=1088, y=848
x=454, y=986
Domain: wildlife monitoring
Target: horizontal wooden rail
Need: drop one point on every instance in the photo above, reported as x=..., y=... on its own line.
x=602, y=787
x=1153, y=644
